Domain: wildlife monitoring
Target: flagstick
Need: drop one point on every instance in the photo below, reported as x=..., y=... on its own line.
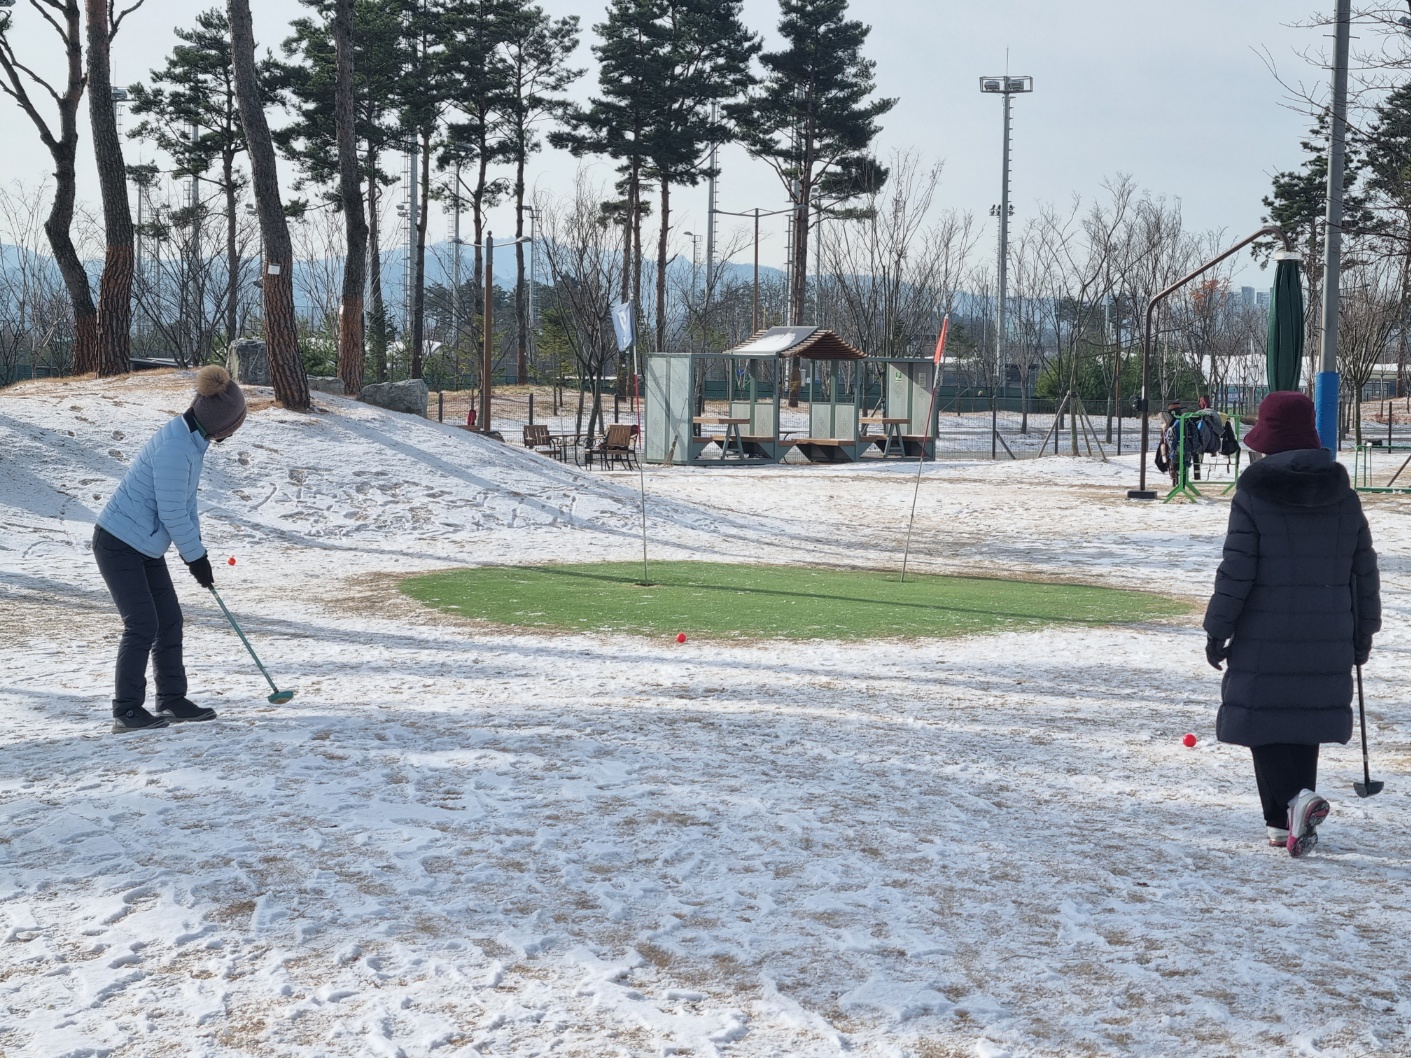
x=930, y=418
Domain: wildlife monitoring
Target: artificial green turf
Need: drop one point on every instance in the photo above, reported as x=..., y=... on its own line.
x=770, y=602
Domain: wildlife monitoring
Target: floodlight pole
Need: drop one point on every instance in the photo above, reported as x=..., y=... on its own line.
x=1006, y=86
x=1325, y=385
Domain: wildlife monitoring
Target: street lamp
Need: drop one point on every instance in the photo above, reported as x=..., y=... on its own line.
x=695, y=239
x=488, y=357
x=1007, y=87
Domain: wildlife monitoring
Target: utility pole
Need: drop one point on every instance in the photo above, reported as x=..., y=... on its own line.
x=1325, y=386
x=755, y=303
x=755, y=213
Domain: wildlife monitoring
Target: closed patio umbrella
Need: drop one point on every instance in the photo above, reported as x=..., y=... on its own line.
x=1284, y=351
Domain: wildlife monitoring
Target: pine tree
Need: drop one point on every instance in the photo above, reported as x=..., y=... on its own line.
x=119, y=243
x=426, y=81
x=306, y=81
x=291, y=384
x=633, y=52
x=189, y=111
x=813, y=114
x=710, y=74
x=350, y=200
x=478, y=95
x=61, y=140
x=1387, y=147
x=536, y=52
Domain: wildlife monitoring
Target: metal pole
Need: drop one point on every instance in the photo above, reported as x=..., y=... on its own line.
x=754, y=319
x=1003, y=277
x=411, y=245
x=1325, y=387
x=710, y=235
x=1143, y=404
x=487, y=360
x=533, y=252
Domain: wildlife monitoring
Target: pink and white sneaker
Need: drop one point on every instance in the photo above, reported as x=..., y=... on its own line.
x=1306, y=811
x=1278, y=837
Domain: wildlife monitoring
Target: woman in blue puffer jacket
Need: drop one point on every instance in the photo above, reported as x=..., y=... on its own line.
x=154, y=507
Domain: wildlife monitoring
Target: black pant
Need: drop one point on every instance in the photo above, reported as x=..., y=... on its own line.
x=151, y=622
x=1282, y=769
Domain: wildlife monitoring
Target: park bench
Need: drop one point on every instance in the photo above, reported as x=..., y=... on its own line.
x=831, y=449
x=537, y=439
x=615, y=447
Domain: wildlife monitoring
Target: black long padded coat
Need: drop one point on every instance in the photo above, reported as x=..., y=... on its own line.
x=1297, y=584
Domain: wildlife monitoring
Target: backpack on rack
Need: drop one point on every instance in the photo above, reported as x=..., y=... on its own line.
x=1229, y=443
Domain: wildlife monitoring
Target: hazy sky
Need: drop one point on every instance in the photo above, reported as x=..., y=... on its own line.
x=1174, y=94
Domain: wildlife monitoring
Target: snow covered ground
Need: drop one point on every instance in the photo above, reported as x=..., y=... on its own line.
x=464, y=841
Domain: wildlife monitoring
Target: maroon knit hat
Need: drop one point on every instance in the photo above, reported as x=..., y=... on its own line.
x=1286, y=422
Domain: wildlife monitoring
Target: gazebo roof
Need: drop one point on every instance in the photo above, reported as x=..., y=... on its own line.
x=813, y=343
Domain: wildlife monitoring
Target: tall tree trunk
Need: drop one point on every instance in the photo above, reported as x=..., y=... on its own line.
x=58, y=227
x=637, y=248
x=798, y=280
x=418, y=320
x=350, y=329
x=63, y=148
x=477, y=220
x=377, y=315
x=115, y=286
x=291, y=384
x=661, y=264
x=232, y=250
x=627, y=236
x=521, y=308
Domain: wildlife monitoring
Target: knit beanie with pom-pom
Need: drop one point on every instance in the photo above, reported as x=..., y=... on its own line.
x=219, y=405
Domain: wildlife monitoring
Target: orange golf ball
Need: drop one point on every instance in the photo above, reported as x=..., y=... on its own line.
x=232, y=560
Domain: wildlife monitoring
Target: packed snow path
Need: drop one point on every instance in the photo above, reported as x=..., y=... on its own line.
x=460, y=841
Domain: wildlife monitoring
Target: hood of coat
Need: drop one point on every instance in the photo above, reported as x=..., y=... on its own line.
x=1303, y=477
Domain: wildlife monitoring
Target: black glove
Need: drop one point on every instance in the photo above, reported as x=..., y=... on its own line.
x=1361, y=649
x=1216, y=651
x=201, y=570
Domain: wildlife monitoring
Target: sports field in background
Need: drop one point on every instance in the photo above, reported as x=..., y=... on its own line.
x=770, y=602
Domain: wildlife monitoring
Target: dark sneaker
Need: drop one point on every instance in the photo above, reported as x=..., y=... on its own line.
x=1306, y=811
x=183, y=710
x=136, y=719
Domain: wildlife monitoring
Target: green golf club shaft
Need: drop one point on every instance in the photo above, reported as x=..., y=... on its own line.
x=229, y=617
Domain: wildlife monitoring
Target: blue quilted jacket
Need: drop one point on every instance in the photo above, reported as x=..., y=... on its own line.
x=155, y=503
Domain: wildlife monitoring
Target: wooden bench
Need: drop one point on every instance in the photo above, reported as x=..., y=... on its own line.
x=831, y=449
x=537, y=439
x=615, y=447
x=766, y=446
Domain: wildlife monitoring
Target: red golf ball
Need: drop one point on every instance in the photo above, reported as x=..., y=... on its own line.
x=1189, y=741
x=232, y=560
x=680, y=637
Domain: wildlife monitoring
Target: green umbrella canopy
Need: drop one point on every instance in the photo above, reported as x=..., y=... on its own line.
x=1284, y=351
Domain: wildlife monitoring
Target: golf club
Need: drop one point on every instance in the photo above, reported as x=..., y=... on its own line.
x=278, y=697
x=1366, y=788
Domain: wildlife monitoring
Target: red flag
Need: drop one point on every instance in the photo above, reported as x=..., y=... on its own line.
x=941, y=341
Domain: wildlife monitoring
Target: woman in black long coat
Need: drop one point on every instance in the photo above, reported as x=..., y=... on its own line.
x=1297, y=600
